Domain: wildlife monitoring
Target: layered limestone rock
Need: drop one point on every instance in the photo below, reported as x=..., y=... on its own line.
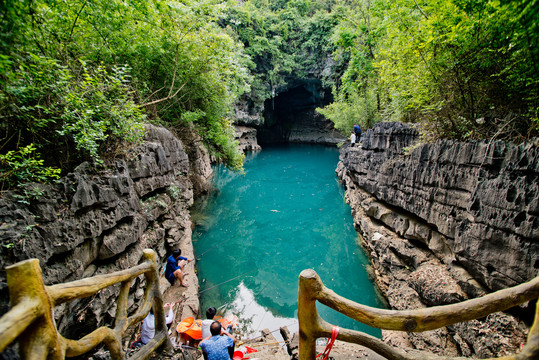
x=311, y=127
x=246, y=137
x=200, y=172
x=247, y=118
x=445, y=222
x=248, y=113
x=93, y=223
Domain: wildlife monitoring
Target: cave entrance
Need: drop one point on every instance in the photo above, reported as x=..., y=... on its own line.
x=290, y=116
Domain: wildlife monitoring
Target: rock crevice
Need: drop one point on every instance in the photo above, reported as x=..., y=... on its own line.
x=444, y=222
x=93, y=223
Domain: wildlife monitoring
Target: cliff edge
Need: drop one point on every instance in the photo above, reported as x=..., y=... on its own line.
x=445, y=222
x=95, y=222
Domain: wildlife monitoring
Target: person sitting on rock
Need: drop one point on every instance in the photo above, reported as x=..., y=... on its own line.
x=218, y=346
x=148, y=326
x=352, y=138
x=174, y=269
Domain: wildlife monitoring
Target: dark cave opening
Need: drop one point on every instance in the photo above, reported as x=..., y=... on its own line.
x=292, y=112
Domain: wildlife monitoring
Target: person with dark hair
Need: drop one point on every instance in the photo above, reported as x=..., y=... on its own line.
x=357, y=130
x=218, y=346
x=210, y=314
x=210, y=317
x=174, y=269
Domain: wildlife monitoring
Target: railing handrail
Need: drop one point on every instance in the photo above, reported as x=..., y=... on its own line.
x=31, y=318
x=312, y=326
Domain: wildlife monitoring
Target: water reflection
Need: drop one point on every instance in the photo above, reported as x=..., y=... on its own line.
x=286, y=214
x=255, y=317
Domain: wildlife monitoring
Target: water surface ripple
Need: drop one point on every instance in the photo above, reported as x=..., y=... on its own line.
x=286, y=214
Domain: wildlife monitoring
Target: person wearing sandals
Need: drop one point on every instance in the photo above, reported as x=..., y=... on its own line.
x=175, y=268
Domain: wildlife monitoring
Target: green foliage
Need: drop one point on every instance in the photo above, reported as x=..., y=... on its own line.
x=445, y=63
x=48, y=106
x=24, y=165
x=101, y=66
x=219, y=133
x=356, y=108
x=78, y=78
x=99, y=111
x=28, y=96
x=283, y=38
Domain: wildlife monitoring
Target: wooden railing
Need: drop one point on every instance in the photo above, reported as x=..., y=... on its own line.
x=311, y=326
x=31, y=318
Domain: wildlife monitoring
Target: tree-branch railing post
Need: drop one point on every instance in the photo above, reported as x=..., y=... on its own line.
x=312, y=326
x=31, y=318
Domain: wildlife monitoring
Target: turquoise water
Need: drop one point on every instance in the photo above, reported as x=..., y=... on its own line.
x=286, y=214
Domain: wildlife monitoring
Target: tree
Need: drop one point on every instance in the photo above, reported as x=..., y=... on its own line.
x=77, y=77
x=462, y=68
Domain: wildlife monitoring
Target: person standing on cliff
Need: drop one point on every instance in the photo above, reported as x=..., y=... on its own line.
x=174, y=269
x=352, y=138
x=357, y=130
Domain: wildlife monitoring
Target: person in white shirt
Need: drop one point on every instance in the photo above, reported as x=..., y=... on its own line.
x=352, y=138
x=210, y=314
x=148, y=325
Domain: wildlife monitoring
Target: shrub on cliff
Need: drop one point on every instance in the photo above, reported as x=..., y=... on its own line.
x=78, y=78
x=464, y=68
x=55, y=116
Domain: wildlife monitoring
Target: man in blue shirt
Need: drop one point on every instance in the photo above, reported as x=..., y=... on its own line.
x=219, y=346
x=174, y=269
x=357, y=130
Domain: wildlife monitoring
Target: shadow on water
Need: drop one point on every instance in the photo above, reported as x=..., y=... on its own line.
x=261, y=229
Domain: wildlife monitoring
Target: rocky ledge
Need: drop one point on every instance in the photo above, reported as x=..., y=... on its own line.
x=446, y=222
x=94, y=222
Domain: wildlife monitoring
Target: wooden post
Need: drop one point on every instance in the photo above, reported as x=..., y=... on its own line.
x=307, y=314
x=40, y=339
x=152, y=277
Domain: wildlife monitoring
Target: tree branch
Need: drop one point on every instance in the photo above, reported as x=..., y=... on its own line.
x=166, y=98
x=76, y=19
x=425, y=15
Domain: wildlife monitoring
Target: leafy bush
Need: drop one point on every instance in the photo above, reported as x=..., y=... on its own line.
x=24, y=165
x=463, y=68
x=104, y=66
x=99, y=111
x=48, y=109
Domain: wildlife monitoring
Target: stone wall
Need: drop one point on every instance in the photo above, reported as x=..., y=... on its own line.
x=445, y=222
x=91, y=223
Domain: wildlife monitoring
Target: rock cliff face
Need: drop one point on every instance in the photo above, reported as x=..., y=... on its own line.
x=289, y=116
x=246, y=136
x=443, y=223
x=93, y=223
